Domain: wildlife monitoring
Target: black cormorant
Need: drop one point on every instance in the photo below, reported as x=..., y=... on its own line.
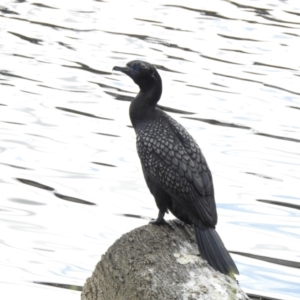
x=174, y=167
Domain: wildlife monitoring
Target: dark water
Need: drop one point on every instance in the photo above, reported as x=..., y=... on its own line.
x=71, y=182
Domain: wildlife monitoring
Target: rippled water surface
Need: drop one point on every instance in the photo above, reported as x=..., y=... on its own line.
x=71, y=181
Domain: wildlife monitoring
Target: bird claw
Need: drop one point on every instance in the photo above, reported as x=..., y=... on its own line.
x=161, y=222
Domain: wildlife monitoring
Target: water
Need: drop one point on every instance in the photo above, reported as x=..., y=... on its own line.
x=71, y=181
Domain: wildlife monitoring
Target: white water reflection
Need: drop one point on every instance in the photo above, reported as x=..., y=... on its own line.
x=68, y=163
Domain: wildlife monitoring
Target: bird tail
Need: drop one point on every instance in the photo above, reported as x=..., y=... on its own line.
x=212, y=249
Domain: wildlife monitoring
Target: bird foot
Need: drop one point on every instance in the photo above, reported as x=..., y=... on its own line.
x=162, y=221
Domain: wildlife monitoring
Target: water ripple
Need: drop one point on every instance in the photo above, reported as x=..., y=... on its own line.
x=282, y=262
x=72, y=199
x=26, y=38
x=60, y=285
x=82, y=113
x=6, y=73
x=284, y=204
x=86, y=68
x=218, y=123
x=278, y=137
x=35, y=184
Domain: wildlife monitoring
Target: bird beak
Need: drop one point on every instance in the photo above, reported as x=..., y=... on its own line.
x=128, y=71
x=124, y=70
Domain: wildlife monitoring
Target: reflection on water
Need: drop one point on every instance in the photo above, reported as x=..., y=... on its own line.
x=71, y=181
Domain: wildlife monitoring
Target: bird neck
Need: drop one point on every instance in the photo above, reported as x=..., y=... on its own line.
x=143, y=105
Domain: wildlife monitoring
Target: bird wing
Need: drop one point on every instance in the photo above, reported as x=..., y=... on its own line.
x=172, y=158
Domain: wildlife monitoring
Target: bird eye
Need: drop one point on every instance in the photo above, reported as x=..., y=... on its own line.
x=137, y=68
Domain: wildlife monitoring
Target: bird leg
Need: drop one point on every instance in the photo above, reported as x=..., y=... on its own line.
x=161, y=221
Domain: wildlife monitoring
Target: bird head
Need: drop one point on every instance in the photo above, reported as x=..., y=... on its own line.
x=142, y=73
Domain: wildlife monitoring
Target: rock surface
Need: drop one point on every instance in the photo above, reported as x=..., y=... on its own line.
x=157, y=262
